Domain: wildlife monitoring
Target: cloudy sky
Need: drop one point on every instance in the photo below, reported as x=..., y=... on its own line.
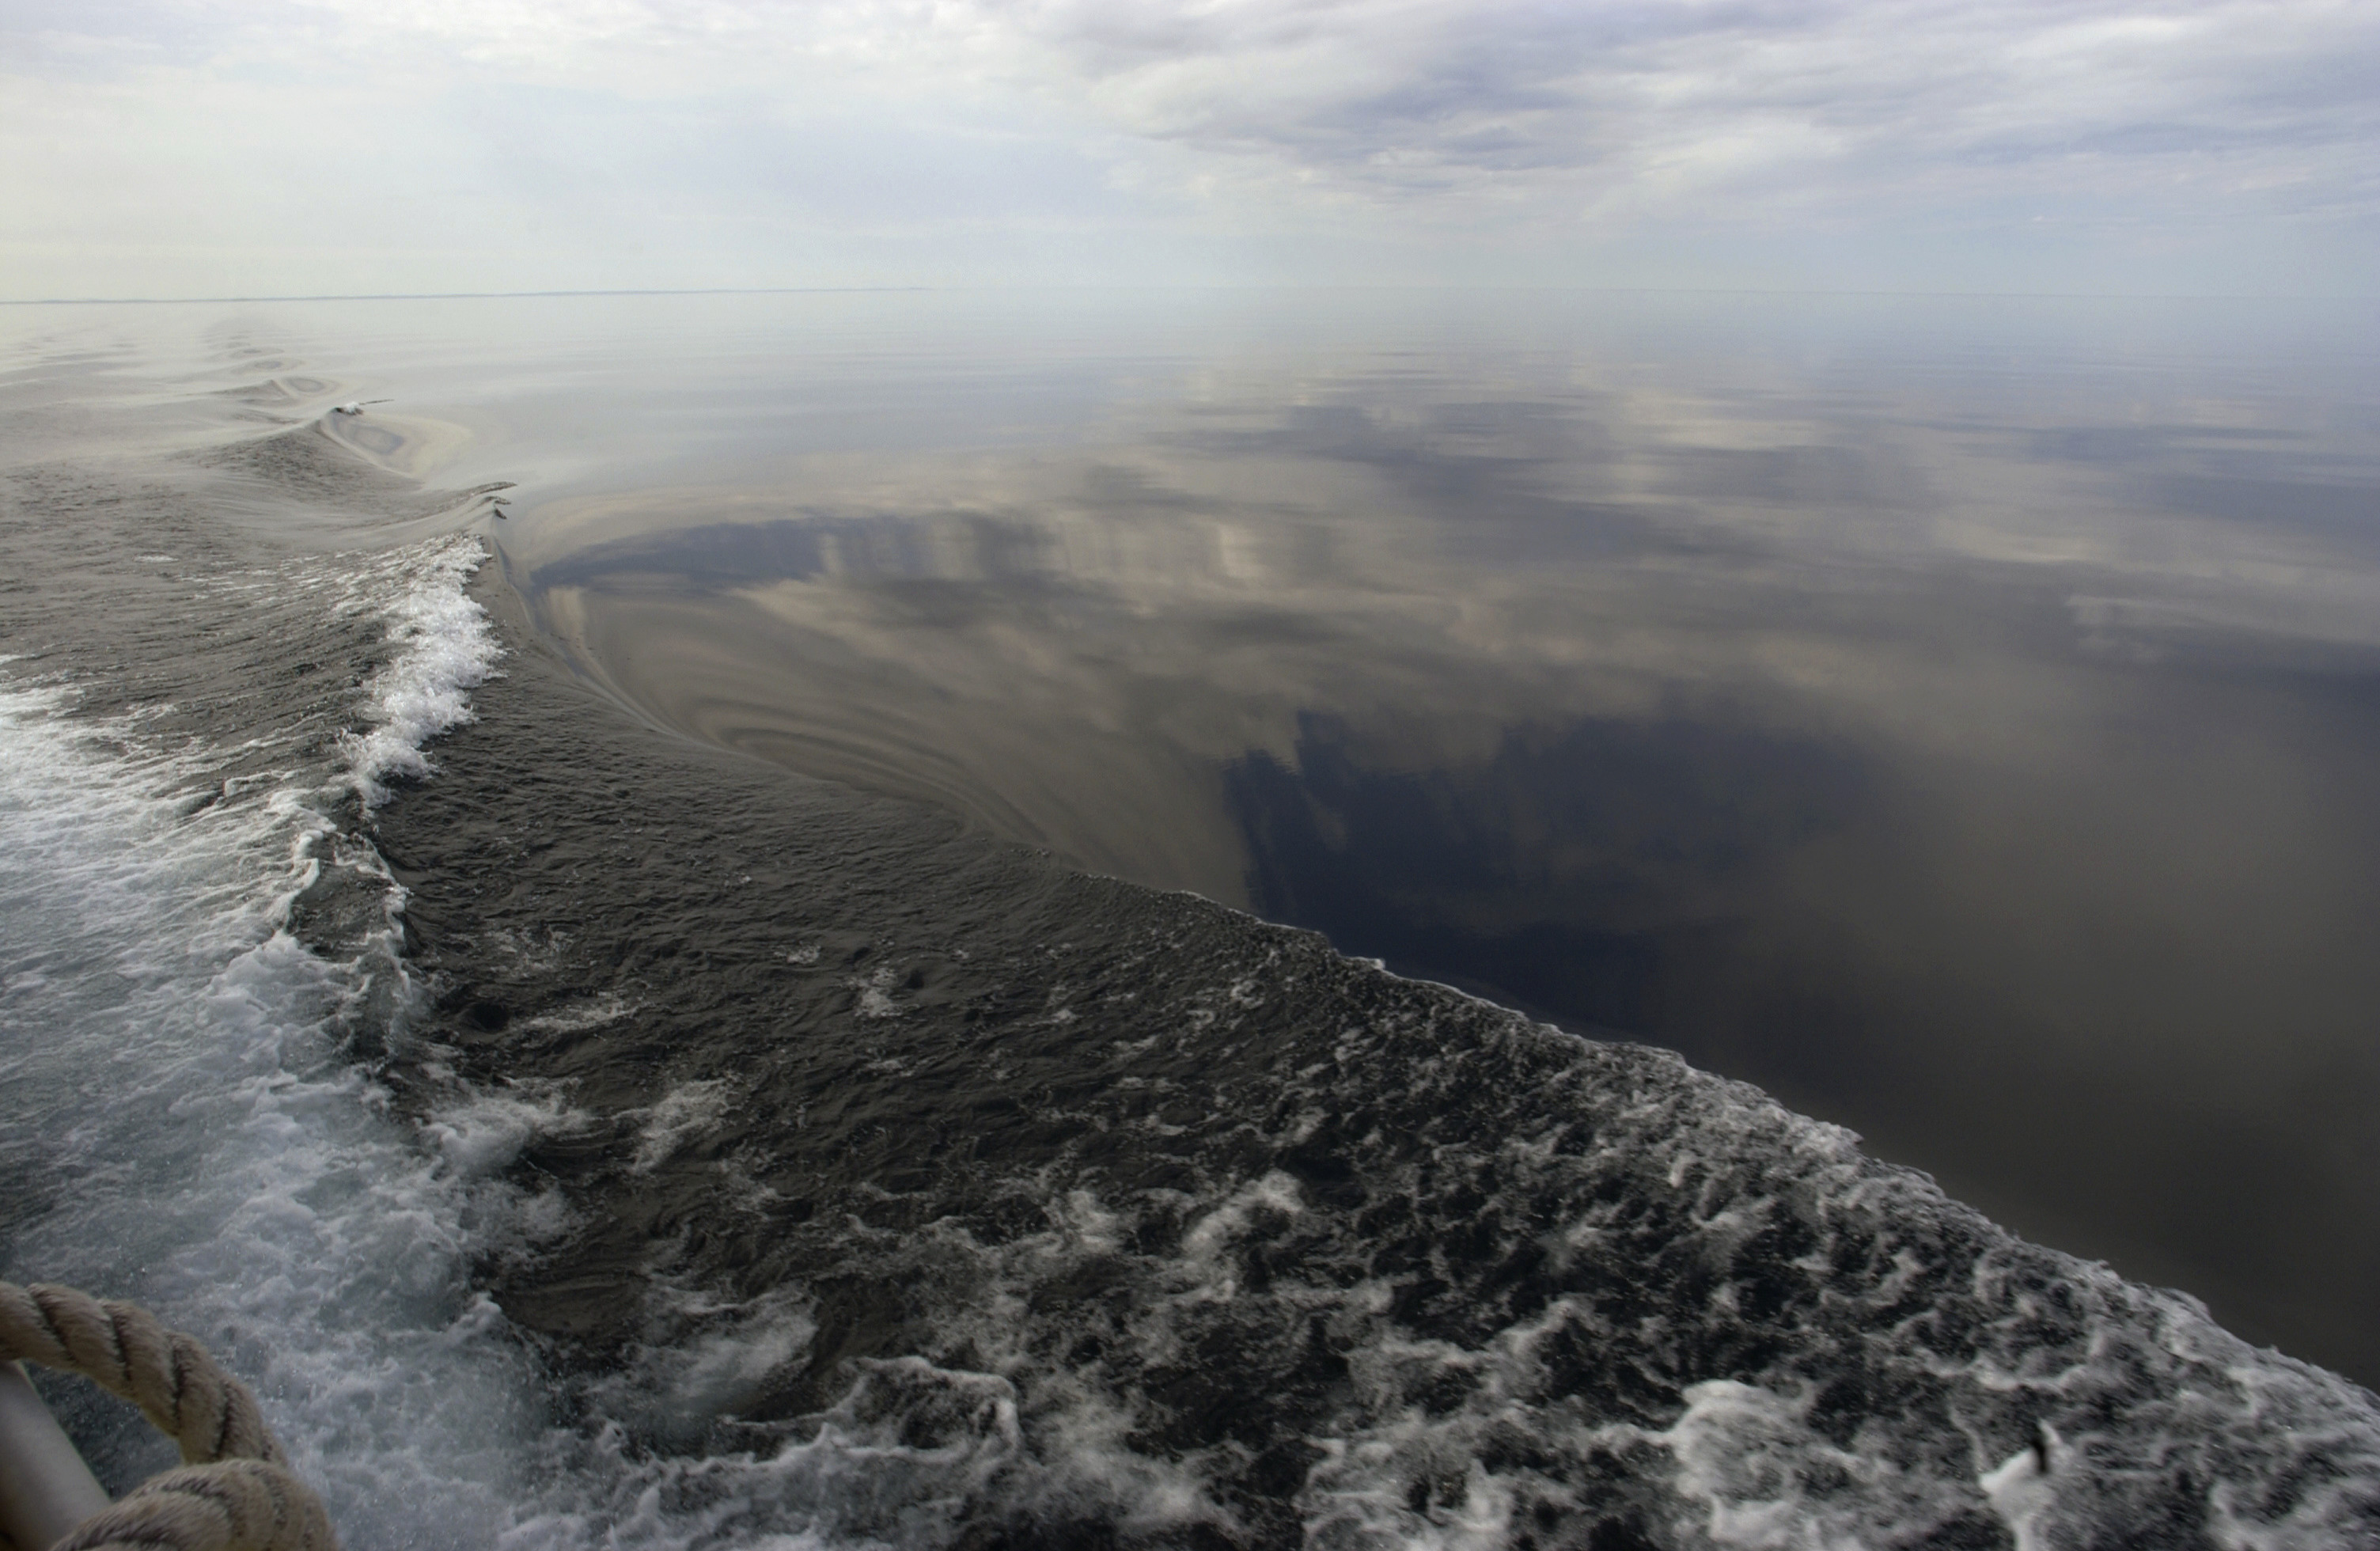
x=263, y=147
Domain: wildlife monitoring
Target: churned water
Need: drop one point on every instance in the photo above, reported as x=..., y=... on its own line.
x=585, y=1133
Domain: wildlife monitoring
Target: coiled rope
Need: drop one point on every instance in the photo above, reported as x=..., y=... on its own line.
x=235, y=1491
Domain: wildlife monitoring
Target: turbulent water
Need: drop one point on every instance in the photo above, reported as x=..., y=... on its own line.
x=584, y=1137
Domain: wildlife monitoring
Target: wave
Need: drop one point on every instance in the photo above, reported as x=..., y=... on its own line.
x=443, y=648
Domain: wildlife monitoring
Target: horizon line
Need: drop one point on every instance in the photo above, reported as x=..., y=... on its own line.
x=458, y=296
x=1408, y=285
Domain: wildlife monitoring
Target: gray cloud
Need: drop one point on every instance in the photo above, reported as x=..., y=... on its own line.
x=1857, y=98
x=2096, y=143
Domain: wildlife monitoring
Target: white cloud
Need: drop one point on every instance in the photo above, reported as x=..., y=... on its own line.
x=725, y=141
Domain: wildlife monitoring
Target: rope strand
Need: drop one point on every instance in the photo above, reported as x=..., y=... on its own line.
x=235, y=1491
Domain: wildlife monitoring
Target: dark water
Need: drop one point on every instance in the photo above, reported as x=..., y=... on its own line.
x=1954, y=717
x=1960, y=718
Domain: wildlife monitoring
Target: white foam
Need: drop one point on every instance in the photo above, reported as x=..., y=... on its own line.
x=875, y=996
x=680, y=1115
x=1759, y=1476
x=177, y=1095
x=2023, y=1492
x=896, y=1462
x=485, y=1132
x=576, y=1017
x=702, y=1358
x=1211, y=1272
x=445, y=649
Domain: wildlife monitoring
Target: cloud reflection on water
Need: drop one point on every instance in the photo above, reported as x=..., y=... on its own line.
x=1989, y=763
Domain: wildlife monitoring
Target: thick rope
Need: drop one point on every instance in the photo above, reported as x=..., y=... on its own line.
x=235, y=1491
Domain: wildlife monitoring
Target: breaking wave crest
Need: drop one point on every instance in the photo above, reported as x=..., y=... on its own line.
x=444, y=649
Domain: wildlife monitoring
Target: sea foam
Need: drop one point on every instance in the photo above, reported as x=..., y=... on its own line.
x=444, y=650
x=183, y=1123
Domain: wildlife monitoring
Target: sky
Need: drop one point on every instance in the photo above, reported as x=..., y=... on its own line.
x=206, y=148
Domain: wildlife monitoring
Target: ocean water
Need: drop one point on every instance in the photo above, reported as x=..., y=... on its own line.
x=1148, y=920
